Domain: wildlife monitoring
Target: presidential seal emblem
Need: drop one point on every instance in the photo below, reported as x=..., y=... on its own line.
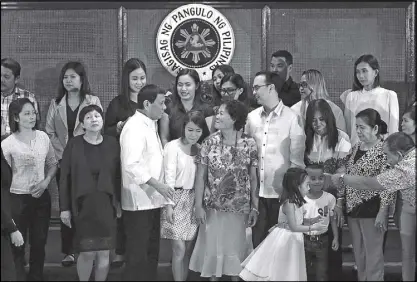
x=195, y=36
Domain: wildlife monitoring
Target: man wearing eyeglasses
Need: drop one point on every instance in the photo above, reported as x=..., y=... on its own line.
x=281, y=63
x=281, y=145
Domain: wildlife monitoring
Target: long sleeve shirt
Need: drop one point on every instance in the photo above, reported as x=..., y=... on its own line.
x=141, y=159
x=28, y=161
x=281, y=144
x=382, y=100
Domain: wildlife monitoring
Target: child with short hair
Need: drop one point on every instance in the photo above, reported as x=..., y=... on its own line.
x=281, y=257
x=316, y=243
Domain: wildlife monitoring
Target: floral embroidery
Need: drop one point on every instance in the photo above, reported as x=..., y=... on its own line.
x=372, y=163
x=402, y=177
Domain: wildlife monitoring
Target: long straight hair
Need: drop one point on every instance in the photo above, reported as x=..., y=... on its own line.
x=131, y=65
x=323, y=107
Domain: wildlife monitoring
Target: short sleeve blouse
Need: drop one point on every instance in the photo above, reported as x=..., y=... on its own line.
x=228, y=188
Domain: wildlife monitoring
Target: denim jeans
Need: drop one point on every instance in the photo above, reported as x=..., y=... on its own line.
x=317, y=257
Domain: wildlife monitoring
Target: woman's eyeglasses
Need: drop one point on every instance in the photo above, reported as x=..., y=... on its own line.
x=228, y=91
x=304, y=85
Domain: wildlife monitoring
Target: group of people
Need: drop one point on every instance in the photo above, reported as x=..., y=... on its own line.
x=200, y=168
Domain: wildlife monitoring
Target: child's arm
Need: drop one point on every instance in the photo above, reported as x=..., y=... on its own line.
x=335, y=242
x=289, y=210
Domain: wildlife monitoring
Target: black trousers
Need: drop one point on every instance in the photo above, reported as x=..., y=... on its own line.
x=120, y=237
x=268, y=217
x=33, y=215
x=142, y=244
x=67, y=234
x=8, y=270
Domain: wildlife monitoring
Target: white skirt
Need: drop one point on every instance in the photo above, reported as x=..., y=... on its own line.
x=280, y=257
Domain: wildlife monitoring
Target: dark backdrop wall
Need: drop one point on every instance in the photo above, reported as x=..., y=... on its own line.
x=44, y=36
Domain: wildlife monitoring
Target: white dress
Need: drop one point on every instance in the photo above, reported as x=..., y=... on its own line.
x=280, y=257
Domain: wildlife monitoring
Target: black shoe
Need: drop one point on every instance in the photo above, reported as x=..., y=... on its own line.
x=69, y=260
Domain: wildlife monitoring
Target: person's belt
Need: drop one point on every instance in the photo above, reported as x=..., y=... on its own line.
x=316, y=237
x=178, y=188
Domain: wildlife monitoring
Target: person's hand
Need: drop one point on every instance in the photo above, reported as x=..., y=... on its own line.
x=338, y=214
x=120, y=125
x=170, y=214
x=66, y=218
x=118, y=210
x=165, y=191
x=253, y=217
x=381, y=221
x=335, y=244
x=17, y=238
x=38, y=189
x=314, y=220
x=200, y=215
x=319, y=226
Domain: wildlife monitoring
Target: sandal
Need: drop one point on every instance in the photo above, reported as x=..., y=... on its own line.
x=68, y=260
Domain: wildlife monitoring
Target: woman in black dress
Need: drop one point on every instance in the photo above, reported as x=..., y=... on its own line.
x=90, y=192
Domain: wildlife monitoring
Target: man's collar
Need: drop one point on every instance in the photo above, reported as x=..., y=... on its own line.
x=277, y=109
x=148, y=121
x=15, y=91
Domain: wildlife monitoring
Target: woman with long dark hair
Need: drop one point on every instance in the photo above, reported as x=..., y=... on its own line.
x=326, y=145
x=120, y=109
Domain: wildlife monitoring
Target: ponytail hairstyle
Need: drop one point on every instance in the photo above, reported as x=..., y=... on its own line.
x=373, y=118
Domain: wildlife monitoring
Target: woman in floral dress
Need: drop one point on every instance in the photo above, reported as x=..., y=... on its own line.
x=226, y=201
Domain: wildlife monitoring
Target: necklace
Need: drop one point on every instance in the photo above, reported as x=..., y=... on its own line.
x=233, y=150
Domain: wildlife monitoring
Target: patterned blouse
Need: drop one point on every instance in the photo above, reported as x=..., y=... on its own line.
x=372, y=163
x=228, y=188
x=402, y=177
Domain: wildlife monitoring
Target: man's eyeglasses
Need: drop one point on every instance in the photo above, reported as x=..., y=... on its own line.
x=228, y=91
x=257, y=87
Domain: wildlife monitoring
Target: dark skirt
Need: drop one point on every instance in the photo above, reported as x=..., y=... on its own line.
x=95, y=225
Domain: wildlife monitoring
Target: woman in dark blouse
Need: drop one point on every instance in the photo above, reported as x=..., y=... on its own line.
x=90, y=193
x=124, y=105
x=120, y=109
x=186, y=98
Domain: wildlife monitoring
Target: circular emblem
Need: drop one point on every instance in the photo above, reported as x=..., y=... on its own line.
x=195, y=36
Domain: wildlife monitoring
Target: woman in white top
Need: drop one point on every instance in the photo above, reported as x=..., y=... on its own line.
x=312, y=87
x=178, y=222
x=30, y=154
x=367, y=93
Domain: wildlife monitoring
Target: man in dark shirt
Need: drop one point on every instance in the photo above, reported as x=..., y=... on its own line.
x=281, y=63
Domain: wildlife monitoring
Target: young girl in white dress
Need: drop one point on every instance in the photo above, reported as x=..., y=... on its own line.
x=280, y=257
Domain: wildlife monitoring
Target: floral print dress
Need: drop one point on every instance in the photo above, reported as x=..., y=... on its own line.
x=228, y=186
